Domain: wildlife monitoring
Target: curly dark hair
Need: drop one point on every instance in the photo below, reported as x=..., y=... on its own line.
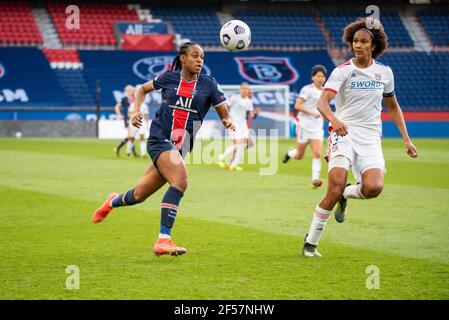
x=380, y=38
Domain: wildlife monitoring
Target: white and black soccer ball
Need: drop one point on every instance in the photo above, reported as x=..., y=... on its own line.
x=235, y=35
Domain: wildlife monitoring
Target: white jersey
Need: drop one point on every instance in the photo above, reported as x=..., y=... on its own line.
x=238, y=108
x=143, y=108
x=359, y=96
x=311, y=95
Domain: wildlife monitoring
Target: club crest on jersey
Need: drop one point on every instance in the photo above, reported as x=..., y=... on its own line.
x=2, y=71
x=267, y=70
x=150, y=67
x=377, y=76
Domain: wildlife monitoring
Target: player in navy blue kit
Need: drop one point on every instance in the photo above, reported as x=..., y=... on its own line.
x=186, y=98
x=125, y=103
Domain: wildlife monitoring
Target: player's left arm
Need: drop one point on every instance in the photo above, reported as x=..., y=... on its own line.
x=396, y=114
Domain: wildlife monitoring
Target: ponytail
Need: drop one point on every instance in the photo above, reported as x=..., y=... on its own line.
x=176, y=64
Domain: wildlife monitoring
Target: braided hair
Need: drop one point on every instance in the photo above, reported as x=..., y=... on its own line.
x=176, y=64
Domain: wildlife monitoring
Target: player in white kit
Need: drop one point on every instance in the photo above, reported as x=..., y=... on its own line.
x=240, y=105
x=143, y=130
x=310, y=123
x=359, y=87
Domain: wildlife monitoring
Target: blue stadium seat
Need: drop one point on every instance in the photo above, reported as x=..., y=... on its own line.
x=335, y=21
x=202, y=26
x=75, y=87
x=420, y=79
x=436, y=25
x=282, y=28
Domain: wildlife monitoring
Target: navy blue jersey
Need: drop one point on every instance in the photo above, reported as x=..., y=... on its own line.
x=184, y=105
x=125, y=103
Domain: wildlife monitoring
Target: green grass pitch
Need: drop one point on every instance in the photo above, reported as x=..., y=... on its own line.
x=243, y=230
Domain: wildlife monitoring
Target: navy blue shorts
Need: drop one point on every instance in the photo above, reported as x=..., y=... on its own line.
x=156, y=146
x=158, y=142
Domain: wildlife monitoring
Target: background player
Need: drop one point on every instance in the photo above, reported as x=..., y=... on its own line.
x=359, y=86
x=186, y=98
x=142, y=131
x=241, y=107
x=124, y=104
x=310, y=123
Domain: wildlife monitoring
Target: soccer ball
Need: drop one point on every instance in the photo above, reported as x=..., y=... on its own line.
x=235, y=35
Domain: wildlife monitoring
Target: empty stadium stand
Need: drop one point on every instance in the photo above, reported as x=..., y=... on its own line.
x=68, y=68
x=17, y=25
x=97, y=24
x=283, y=28
x=436, y=25
x=199, y=25
x=335, y=21
x=420, y=79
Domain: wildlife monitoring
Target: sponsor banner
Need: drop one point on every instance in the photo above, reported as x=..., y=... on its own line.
x=159, y=42
x=26, y=79
x=54, y=115
x=142, y=28
x=116, y=69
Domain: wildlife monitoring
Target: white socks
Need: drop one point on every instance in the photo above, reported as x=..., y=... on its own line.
x=143, y=149
x=316, y=169
x=353, y=192
x=240, y=150
x=292, y=153
x=320, y=218
x=229, y=151
x=164, y=236
x=129, y=147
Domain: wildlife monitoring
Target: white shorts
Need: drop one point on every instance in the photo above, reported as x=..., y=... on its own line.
x=241, y=132
x=304, y=135
x=134, y=132
x=361, y=156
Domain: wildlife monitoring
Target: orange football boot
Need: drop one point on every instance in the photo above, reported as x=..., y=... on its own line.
x=166, y=246
x=102, y=212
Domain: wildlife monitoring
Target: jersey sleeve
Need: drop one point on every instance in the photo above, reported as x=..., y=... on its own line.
x=335, y=81
x=251, y=106
x=232, y=100
x=217, y=97
x=144, y=108
x=304, y=93
x=160, y=82
x=389, y=86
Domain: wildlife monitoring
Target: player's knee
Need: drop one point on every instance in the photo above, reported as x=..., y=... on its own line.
x=316, y=155
x=372, y=190
x=334, y=192
x=181, y=184
x=299, y=156
x=139, y=196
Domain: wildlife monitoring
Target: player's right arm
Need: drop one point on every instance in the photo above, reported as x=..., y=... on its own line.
x=136, y=119
x=324, y=108
x=333, y=84
x=299, y=106
x=117, y=108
